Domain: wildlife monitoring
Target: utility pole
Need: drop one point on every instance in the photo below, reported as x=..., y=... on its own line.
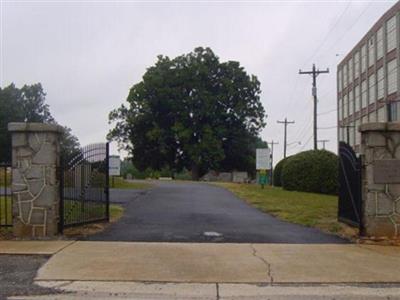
x=272, y=143
x=315, y=72
x=285, y=122
x=323, y=143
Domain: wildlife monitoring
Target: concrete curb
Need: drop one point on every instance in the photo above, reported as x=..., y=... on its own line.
x=33, y=247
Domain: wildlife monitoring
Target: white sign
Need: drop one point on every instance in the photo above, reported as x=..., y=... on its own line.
x=114, y=167
x=263, y=159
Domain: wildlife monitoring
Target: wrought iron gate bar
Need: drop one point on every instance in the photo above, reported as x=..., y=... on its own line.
x=349, y=186
x=84, y=186
x=5, y=195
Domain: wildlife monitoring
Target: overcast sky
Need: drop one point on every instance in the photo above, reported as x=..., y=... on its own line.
x=87, y=54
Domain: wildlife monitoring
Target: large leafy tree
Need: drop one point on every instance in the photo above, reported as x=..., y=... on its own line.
x=191, y=112
x=27, y=104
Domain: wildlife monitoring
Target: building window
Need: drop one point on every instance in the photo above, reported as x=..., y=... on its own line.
x=379, y=43
x=391, y=34
x=350, y=70
x=341, y=134
x=372, y=117
x=371, y=87
x=371, y=52
x=356, y=64
x=345, y=106
x=352, y=130
x=364, y=101
x=357, y=133
x=351, y=103
x=394, y=111
x=340, y=80
x=381, y=114
x=364, y=119
x=392, y=76
x=340, y=109
x=357, y=98
x=381, y=83
x=344, y=75
x=363, y=58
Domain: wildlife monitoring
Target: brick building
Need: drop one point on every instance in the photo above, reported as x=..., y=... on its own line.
x=368, y=81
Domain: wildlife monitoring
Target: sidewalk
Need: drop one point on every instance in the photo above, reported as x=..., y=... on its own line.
x=214, y=263
x=100, y=290
x=125, y=270
x=33, y=247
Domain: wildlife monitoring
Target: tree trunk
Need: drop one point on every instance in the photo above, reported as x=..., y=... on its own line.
x=195, y=172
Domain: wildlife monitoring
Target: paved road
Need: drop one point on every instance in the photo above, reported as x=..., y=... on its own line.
x=183, y=212
x=17, y=273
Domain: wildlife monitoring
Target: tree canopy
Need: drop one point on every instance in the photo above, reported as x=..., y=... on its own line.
x=192, y=112
x=27, y=104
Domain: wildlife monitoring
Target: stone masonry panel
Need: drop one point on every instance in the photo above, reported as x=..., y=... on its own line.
x=35, y=151
x=381, y=199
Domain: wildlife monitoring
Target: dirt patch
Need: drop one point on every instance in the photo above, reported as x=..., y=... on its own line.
x=80, y=232
x=6, y=234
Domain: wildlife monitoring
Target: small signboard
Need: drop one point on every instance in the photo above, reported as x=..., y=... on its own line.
x=263, y=159
x=114, y=168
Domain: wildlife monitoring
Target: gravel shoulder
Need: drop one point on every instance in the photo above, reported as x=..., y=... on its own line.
x=17, y=273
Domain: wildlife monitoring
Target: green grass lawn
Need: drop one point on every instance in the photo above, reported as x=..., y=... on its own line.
x=5, y=210
x=5, y=179
x=116, y=212
x=313, y=210
x=120, y=183
x=90, y=211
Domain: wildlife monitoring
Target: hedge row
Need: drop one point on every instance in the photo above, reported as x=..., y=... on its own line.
x=277, y=174
x=310, y=171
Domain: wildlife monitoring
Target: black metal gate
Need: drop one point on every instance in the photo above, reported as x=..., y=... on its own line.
x=349, y=186
x=84, y=188
x=6, y=219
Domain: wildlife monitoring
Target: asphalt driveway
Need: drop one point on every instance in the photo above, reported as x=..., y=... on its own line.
x=199, y=212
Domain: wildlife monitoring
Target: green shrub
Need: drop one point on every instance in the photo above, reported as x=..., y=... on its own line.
x=278, y=172
x=183, y=175
x=311, y=171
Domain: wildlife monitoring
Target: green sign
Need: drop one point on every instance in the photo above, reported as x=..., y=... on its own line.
x=263, y=177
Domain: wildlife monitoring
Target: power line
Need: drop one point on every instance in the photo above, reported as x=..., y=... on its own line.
x=329, y=127
x=327, y=112
x=302, y=131
x=272, y=143
x=305, y=144
x=352, y=25
x=314, y=72
x=285, y=122
x=329, y=32
x=323, y=143
x=305, y=130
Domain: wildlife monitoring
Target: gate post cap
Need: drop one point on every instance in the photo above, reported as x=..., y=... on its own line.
x=36, y=127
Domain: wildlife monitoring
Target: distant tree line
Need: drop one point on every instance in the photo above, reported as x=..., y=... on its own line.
x=28, y=104
x=192, y=112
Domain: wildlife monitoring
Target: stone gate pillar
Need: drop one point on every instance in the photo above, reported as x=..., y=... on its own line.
x=35, y=159
x=380, y=149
